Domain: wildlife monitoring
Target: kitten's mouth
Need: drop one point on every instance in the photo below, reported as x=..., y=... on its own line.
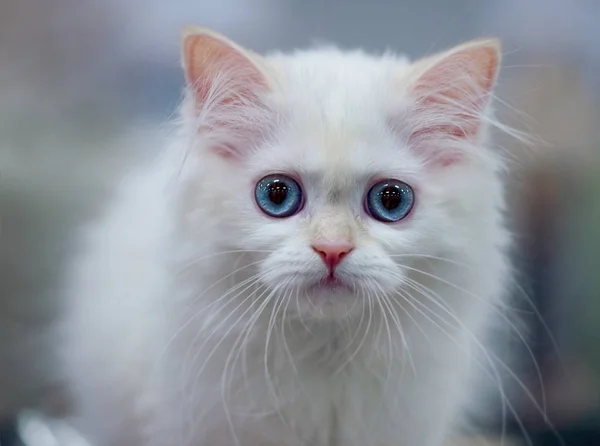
x=331, y=283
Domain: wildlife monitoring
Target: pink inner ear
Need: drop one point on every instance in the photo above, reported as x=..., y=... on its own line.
x=465, y=76
x=450, y=98
x=207, y=58
x=227, y=88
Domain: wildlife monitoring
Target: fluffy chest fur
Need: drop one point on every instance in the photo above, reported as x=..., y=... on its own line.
x=262, y=381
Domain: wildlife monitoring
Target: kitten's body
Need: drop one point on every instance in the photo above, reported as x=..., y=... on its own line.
x=176, y=343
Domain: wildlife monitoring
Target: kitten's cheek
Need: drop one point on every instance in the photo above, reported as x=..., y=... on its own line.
x=391, y=279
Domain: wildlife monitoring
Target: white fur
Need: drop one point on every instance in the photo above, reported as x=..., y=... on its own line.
x=167, y=346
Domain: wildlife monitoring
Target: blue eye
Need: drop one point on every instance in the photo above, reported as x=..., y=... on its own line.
x=278, y=196
x=390, y=201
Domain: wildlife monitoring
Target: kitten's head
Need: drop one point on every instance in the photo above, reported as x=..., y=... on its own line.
x=336, y=171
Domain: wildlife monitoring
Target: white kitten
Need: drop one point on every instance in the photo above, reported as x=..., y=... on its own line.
x=311, y=263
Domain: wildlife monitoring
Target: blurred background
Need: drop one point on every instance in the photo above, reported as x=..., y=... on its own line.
x=86, y=87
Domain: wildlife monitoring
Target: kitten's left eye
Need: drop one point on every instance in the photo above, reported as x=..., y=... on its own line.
x=390, y=201
x=278, y=196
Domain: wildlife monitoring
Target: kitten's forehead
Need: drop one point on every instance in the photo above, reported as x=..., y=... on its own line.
x=337, y=107
x=322, y=68
x=330, y=87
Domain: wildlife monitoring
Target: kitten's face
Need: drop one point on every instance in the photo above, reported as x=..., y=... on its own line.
x=350, y=222
x=337, y=203
x=341, y=212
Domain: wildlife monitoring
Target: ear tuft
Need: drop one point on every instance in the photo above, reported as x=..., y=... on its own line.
x=227, y=85
x=452, y=91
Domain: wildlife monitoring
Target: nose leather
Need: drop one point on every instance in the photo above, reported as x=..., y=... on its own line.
x=332, y=253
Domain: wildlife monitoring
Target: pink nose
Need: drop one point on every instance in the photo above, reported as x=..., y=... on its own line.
x=332, y=253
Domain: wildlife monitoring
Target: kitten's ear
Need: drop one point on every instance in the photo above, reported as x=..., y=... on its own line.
x=452, y=91
x=227, y=84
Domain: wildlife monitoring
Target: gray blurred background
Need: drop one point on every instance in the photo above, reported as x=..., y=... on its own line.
x=86, y=87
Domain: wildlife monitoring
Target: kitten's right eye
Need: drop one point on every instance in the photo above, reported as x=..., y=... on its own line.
x=390, y=201
x=278, y=196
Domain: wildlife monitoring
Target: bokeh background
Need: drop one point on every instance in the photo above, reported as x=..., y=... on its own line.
x=86, y=87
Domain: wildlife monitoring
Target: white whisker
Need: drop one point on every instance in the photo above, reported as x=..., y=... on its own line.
x=491, y=357
x=505, y=319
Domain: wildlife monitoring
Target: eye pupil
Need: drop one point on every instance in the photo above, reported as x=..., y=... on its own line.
x=278, y=192
x=391, y=198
